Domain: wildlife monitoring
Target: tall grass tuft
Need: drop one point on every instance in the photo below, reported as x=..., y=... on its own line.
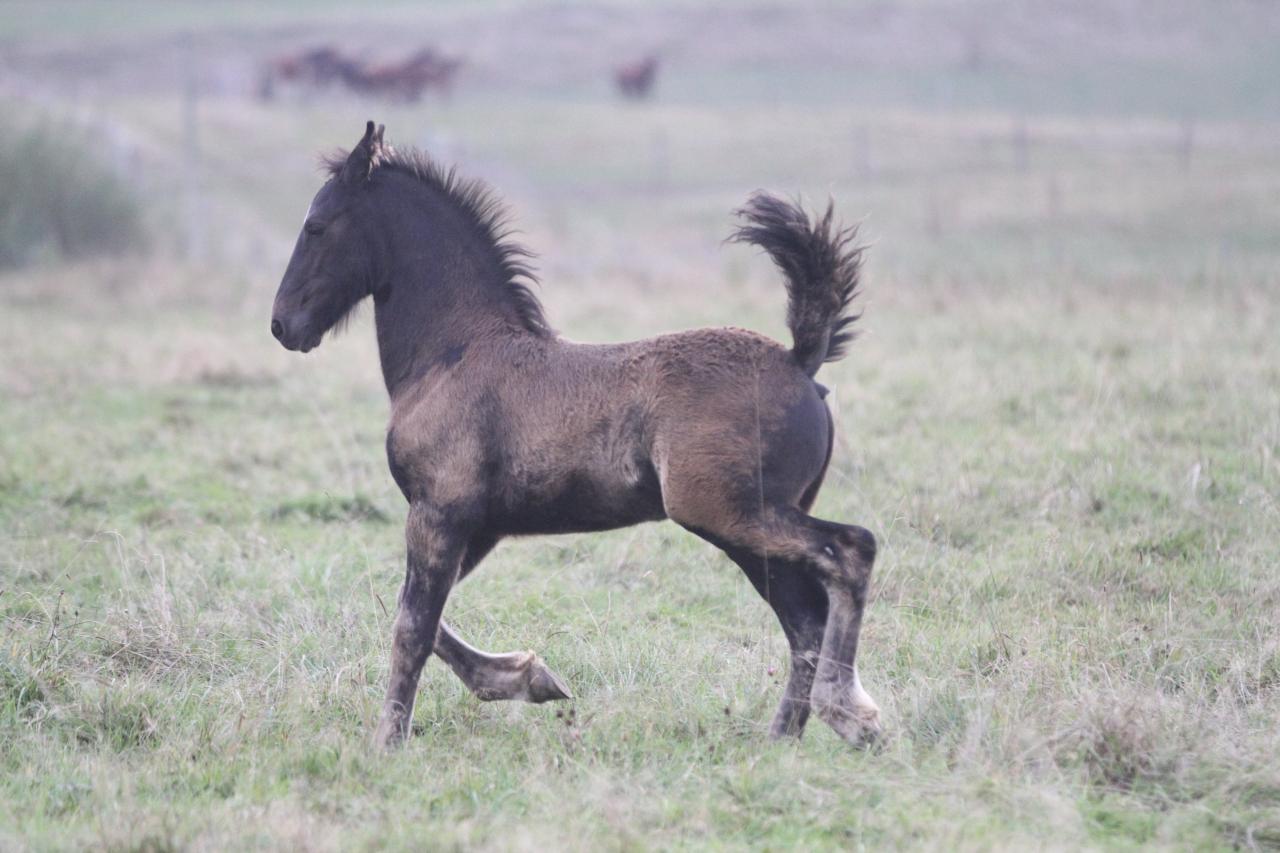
x=60, y=200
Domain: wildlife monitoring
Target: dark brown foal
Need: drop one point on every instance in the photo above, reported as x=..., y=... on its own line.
x=501, y=428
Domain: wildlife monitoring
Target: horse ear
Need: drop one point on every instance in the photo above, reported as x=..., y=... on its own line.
x=365, y=156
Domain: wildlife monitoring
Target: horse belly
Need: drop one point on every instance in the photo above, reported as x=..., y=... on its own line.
x=583, y=502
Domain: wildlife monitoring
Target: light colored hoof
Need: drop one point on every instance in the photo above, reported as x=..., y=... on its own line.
x=522, y=678
x=545, y=685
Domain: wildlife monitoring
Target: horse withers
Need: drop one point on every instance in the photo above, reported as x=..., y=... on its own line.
x=499, y=427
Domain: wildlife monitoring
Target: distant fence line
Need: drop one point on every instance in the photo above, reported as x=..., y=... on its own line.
x=936, y=148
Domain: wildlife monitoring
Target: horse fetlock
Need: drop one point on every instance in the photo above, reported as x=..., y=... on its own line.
x=790, y=719
x=393, y=729
x=849, y=711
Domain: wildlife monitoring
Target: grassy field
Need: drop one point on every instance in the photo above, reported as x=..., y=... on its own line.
x=1062, y=423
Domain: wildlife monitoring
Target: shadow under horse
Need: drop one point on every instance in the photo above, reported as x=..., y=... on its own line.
x=500, y=428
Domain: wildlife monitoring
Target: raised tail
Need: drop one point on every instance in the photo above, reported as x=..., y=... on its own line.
x=821, y=266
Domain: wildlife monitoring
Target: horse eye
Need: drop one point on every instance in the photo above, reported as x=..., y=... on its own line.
x=315, y=229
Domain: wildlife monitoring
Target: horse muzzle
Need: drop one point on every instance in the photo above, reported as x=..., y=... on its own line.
x=291, y=338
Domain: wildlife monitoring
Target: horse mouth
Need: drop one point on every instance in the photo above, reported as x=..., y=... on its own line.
x=301, y=346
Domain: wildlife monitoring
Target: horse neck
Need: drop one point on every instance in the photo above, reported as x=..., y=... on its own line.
x=440, y=286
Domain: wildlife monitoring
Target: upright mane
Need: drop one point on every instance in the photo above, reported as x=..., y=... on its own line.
x=487, y=215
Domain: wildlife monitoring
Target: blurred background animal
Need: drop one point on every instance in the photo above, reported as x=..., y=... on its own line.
x=635, y=79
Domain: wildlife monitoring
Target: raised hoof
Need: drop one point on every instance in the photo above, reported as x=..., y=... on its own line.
x=523, y=677
x=545, y=685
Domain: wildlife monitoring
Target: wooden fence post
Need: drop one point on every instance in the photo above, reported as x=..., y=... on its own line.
x=195, y=239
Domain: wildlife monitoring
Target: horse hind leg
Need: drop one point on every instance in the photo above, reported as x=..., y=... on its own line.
x=839, y=558
x=728, y=507
x=846, y=555
x=792, y=559
x=800, y=604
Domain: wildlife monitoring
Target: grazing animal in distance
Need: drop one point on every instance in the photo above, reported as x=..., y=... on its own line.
x=407, y=79
x=635, y=79
x=322, y=67
x=501, y=428
x=315, y=68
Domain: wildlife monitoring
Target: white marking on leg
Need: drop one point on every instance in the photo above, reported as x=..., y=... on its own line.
x=861, y=698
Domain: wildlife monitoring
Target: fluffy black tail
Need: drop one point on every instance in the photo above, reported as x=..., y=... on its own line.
x=821, y=266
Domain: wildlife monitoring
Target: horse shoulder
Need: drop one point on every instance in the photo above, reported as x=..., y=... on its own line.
x=436, y=439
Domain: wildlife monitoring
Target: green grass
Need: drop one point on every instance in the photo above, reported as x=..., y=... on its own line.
x=1072, y=633
x=1062, y=423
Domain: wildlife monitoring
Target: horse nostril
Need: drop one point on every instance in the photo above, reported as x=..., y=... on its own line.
x=277, y=329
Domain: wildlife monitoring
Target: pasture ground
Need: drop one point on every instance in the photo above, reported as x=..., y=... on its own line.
x=1062, y=423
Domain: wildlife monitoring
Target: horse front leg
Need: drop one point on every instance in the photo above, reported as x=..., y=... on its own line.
x=436, y=541
x=518, y=676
